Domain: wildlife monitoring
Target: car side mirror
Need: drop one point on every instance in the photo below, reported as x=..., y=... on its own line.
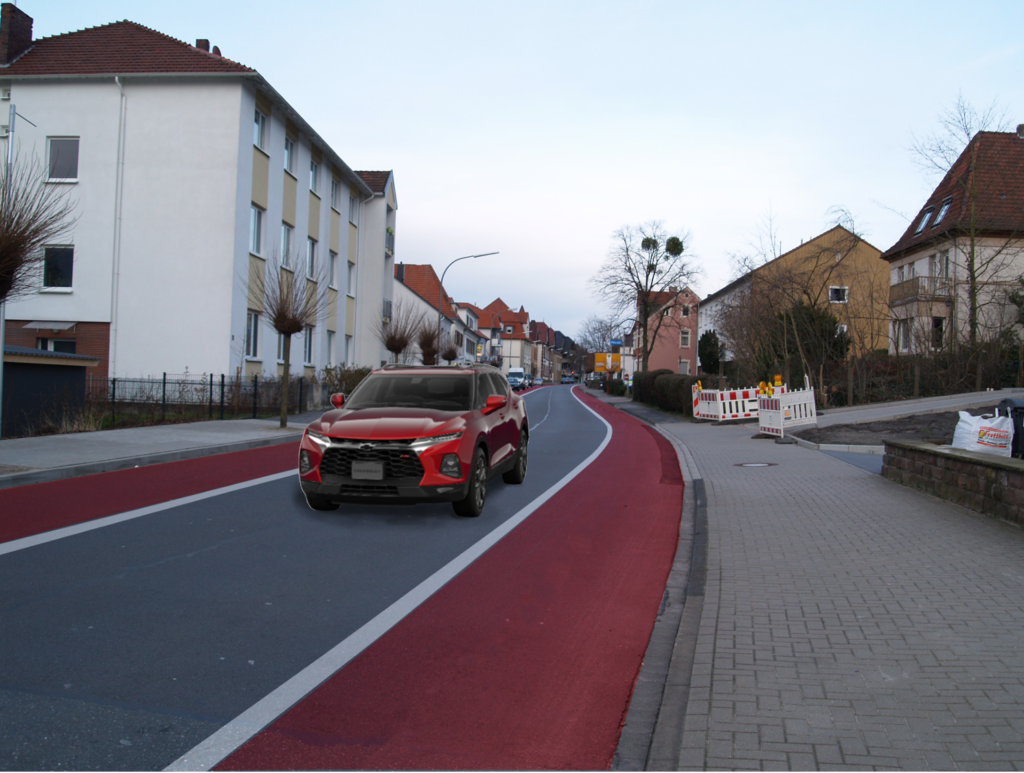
x=494, y=402
x=337, y=399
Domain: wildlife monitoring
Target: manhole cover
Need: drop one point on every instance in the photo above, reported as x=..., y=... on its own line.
x=756, y=464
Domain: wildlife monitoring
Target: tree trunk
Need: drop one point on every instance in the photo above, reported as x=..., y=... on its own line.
x=849, y=380
x=286, y=377
x=917, y=376
x=978, y=373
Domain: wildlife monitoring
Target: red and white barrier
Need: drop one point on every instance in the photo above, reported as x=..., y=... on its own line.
x=779, y=412
x=727, y=404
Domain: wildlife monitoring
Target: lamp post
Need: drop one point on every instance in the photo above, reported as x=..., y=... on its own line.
x=440, y=293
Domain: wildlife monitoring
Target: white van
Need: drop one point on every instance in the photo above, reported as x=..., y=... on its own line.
x=516, y=377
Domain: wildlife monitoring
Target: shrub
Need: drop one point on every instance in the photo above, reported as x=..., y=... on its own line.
x=618, y=388
x=643, y=384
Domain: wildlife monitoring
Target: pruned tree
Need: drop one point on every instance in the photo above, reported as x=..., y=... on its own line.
x=449, y=351
x=426, y=339
x=291, y=301
x=32, y=213
x=645, y=271
x=401, y=331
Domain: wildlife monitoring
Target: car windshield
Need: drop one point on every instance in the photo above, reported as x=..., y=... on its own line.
x=439, y=393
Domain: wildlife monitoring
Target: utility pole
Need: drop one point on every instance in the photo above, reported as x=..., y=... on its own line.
x=3, y=302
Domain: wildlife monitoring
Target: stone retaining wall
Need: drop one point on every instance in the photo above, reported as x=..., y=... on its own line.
x=989, y=484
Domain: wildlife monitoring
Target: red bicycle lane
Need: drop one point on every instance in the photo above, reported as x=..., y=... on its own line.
x=527, y=659
x=41, y=507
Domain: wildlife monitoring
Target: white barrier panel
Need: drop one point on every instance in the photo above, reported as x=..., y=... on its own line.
x=727, y=404
x=778, y=413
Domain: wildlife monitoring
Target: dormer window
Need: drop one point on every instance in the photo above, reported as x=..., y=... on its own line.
x=942, y=211
x=924, y=221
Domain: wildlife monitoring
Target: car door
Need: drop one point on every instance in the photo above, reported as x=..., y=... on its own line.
x=484, y=389
x=506, y=433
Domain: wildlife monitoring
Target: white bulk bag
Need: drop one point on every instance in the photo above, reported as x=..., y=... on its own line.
x=988, y=434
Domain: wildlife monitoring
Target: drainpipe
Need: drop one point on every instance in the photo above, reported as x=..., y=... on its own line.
x=115, y=270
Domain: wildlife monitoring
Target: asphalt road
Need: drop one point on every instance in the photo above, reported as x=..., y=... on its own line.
x=127, y=646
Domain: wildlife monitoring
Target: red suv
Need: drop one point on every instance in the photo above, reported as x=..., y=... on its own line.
x=412, y=434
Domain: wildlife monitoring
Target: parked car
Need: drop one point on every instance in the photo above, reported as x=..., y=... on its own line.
x=412, y=434
x=568, y=380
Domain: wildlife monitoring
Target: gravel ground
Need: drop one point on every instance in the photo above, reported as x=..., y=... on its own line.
x=927, y=427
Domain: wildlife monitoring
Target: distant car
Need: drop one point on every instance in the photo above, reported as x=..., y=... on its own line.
x=517, y=378
x=416, y=434
x=568, y=380
x=529, y=380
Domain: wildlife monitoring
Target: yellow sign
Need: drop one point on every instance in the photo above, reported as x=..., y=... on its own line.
x=607, y=362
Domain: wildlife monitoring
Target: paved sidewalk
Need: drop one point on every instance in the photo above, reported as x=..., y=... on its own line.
x=55, y=457
x=846, y=621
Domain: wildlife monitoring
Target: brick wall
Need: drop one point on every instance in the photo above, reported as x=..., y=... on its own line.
x=986, y=483
x=91, y=338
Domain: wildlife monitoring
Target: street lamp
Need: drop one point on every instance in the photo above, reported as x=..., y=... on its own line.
x=440, y=292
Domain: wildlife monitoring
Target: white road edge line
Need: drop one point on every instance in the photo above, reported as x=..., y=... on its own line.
x=548, y=413
x=110, y=520
x=254, y=719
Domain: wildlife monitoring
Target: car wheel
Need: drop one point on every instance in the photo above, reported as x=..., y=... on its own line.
x=518, y=472
x=320, y=503
x=473, y=504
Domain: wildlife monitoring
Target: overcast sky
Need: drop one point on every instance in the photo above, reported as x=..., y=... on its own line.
x=539, y=128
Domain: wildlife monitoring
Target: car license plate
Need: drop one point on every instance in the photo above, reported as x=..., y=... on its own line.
x=367, y=470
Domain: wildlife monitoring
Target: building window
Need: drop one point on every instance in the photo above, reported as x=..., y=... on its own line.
x=256, y=230
x=286, y=245
x=314, y=175
x=311, y=258
x=945, y=263
x=252, y=334
x=938, y=331
x=942, y=211
x=838, y=294
x=332, y=269
x=351, y=280
x=289, y=154
x=63, y=158
x=58, y=265
x=335, y=194
x=924, y=220
x=259, y=130
x=508, y=329
x=684, y=339
x=62, y=345
x=352, y=209
x=684, y=366
x=330, y=348
x=307, y=346
x=666, y=312
x=686, y=311
x=903, y=333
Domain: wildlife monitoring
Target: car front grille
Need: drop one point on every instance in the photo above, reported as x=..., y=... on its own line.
x=368, y=490
x=398, y=462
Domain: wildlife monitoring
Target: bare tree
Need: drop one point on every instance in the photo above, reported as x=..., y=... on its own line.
x=292, y=300
x=32, y=213
x=449, y=351
x=936, y=152
x=426, y=339
x=399, y=333
x=646, y=270
x=597, y=334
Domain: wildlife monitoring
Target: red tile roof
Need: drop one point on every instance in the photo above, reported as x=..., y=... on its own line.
x=376, y=180
x=989, y=174
x=486, y=320
x=123, y=47
x=424, y=282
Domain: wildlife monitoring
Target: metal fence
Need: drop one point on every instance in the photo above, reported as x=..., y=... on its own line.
x=209, y=396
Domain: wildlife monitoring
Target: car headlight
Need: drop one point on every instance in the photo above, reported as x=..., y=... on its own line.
x=321, y=440
x=434, y=440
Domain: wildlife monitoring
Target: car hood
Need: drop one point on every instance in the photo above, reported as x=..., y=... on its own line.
x=387, y=423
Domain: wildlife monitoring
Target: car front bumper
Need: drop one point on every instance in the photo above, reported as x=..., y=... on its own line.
x=385, y=492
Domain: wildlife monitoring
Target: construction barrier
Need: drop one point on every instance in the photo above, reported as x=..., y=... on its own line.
x=727, y=404
x=779, y=412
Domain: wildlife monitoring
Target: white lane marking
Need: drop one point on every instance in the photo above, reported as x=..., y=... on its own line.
x=247, y=724
x=99, y=523
x=550, y=392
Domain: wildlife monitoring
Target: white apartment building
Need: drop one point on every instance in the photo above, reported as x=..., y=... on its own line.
x=190, y=172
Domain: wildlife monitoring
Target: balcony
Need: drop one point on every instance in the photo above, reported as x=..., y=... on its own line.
x=387, y=310
x=920, y=288
x=389, y=242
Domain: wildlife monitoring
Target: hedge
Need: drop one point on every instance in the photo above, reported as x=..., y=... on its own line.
x=643, y=384
x=665, y=389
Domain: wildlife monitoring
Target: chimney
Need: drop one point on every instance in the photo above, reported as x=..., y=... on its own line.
x=400, y=272
x=203, y=45
x=216, y=51
x=15, y=32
